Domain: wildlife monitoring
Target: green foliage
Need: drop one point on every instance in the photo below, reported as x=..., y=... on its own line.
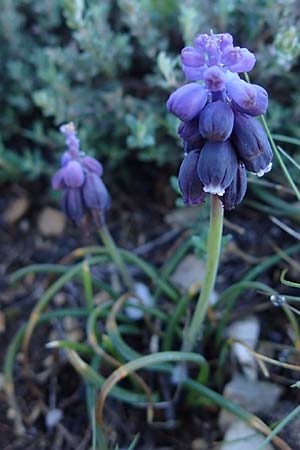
x=111, y=65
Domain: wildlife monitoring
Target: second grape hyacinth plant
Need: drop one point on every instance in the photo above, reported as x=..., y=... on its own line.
x=222, y=139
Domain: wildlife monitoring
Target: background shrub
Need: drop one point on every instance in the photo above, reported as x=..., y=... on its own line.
x=110, y=64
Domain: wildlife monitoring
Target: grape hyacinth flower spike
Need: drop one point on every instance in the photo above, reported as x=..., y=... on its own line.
x=222, y=140
x=218, y=113
x=79, y=178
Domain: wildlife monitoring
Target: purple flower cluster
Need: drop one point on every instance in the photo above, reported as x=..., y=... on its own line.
x=79, y=179
x=222, y=138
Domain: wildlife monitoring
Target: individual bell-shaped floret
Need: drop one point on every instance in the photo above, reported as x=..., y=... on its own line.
x=188, y=180
x=189, y=132
x=224, y=39
x=217, y=166
x=72, y=204
x=92, y=165
x=238, y=59
x=247, y=98
x=214, y=79
x=251, y=144
x=190, y=56
x=216, y=121
x=236, y=191
x=58, y=181
x=94, y=193
x=187, y=101
x=73, y=174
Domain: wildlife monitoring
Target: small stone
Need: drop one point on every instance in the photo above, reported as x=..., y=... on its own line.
x=75, y=335
x=144, y=298
x=246, y=330
x=189, y=276
x=53, y=417
x=51, y=222
x=180, y=217
x=257, y=397
x=70, y=323
x=240, y=436
x=199, y=444
x=16, y=210
x=60, y=299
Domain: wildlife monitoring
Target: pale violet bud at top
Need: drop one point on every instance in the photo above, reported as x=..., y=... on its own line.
x=188, y=180
x=93, y=165
x=73, y=174
x=247, y=98
x=236, y=191
x=225, y=40
x=192, y=63
x=216, y=121
x=200, y=41
x=187, y=101
x=210, y=46
x=72, y=204
x=73, y=145
x=214, y=79
x=72, y=142
x=217, y=166
x=68, y=129
x=95, y=194
x=238, y=59
x=251, y=144
x=190, y=56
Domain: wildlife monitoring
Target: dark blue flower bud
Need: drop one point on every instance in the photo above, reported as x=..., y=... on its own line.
x=216, y=121
x=188, y=147
x=217, y=166
x=187, y=101
x=94, y=193
x=189, y=132
x=236, y=191
x=72, y=204
x=251, y=144
x=188, y=180
x=247, y=98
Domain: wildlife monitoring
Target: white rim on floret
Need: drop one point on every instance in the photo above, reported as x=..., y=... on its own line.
x=211, y=189
x=263, y=171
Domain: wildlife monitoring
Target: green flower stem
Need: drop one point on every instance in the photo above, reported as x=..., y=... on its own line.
x=115, y=254
x=213, y=253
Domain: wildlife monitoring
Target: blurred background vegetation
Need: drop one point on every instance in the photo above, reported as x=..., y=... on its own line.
x=109, y=65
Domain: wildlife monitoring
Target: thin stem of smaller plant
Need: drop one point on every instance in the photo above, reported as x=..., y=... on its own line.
x=116, y=256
